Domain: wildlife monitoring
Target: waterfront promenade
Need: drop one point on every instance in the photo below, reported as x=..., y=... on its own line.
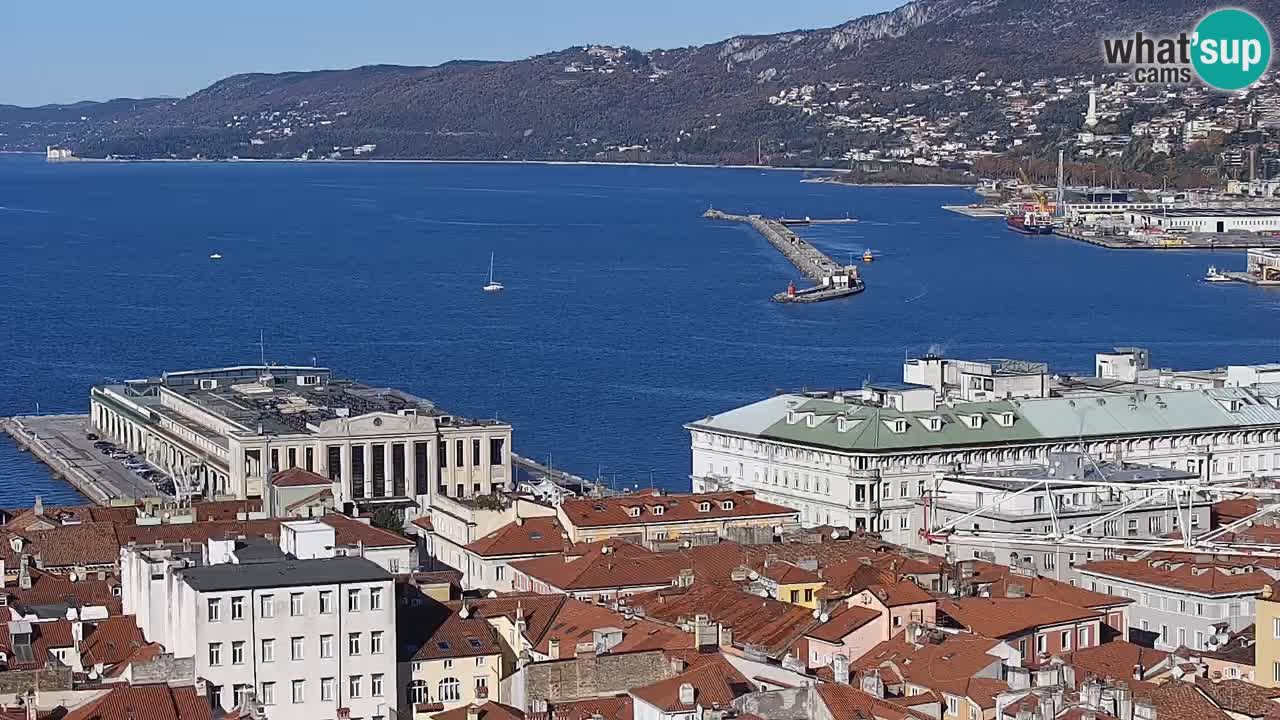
x=60, y=443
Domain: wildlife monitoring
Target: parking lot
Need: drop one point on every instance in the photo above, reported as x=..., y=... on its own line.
x=63, y=437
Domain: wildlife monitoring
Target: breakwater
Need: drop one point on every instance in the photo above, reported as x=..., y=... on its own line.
x=831, y=279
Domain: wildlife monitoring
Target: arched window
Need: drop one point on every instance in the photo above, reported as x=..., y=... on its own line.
x=418, y=692
x=450, y=690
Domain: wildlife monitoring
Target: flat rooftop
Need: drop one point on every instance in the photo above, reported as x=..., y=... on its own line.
x=1076, y=466
x=284, y=573
x=1212, y=212
x=282, y=400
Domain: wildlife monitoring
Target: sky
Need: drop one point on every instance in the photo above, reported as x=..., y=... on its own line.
x=92, y=50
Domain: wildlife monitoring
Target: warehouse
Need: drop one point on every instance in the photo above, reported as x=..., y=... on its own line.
x=1209, y=220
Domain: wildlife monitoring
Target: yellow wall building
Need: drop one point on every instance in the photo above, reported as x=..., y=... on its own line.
x=1266, y=630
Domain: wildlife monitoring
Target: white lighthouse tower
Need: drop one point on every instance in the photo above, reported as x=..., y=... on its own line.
x=1091, y=117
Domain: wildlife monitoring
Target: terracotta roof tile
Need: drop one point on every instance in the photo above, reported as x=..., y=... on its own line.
x=45, y=636
x=111, y=641
x=849, y=703
x=605, y=512
x=785, y=573
x=51, y=589
x=612, y=708
x=145, y=702
x=488, y=711
x=529, y=536
x=1182, y=701
x=1002, y=617
x=349, y=531
x=297, y=477
x=576, y=621
x=604, y=567
x=942, y=663
x=66, y=546
x=843, y=622
x=715, y=683
x=902, y=592
x=1238, y=696
x=1115, y=659
x=436, y=631
x=1056, y=589
x=1205, y=578
x=771, y=624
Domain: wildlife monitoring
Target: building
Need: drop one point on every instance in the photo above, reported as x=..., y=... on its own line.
x=223, y=432
x=974, y=380
x=450, y=657
x=842, y=460
x=1264, y=265
x=602, y=572
x=1178, y=601
x=1229, y=655
x=711, y=684
x=1266, y=628
x=1038, y=627
x=657, y=516
x=302, y=637
x=964, y=672
x=1208, y=220
x=488, y=559
x=468, y=534
x=296, y=492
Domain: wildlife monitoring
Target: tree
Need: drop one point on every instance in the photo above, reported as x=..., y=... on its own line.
x=389, y=519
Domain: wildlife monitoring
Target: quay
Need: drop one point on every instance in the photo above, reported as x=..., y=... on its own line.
x=812, y=221
x=1190, y=241
x=832, y=280
x=61, y=443
x=976, y=211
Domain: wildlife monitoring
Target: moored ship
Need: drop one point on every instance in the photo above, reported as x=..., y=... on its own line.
x=1030, y=221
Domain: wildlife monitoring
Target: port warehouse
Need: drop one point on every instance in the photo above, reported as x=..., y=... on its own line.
x=867, y=459
x=1208, y=220
x=226, y=430
x=1265, y=264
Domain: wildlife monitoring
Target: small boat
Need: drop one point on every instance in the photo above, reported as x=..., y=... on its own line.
x=215, y=256
x=867, y=256
x=1214, y=276
x=492, y=286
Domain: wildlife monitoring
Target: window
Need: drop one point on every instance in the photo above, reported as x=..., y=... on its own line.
x=904, y=521
x=1042, y=644
x=1276, y=628
x=326, y=646
x=1066, y=639
x=375, y=680
x=1037, y=505
x=295, y=604
x=475, y=453
x=354, y=684
x=482, y=686
x=215, y=610
x=353, y=644
x=459, y=454
x=299, y=691
x=215, y=654
x=495, y=450
x=418, y=692
x=237, y=607
x=375, y=642
x=328, y=688
x=1164, y=634
x=240, y=693
x=237, y=652
x=953, y=705
x=375, y=598
x=726, y=505
x=498, y=572
x=1084, y=638
x=326, y=602
x=450, y=689
x=267, y=606
x=1275, y=670
x=295, y=648
x=704, y=507
x=795, y=596
x=808, y=595
x=268, y=650
x=267, y=693
x=353, y=601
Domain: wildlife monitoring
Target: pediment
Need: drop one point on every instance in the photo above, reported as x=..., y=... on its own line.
x=377, y=423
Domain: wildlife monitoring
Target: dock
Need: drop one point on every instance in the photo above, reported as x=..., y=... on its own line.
x=976, y=211
x=832, y=280
x=1166, y=242
x=60, y=442
x=532, y=469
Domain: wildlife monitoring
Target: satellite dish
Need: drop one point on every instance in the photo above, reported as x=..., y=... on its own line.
x=73, y=577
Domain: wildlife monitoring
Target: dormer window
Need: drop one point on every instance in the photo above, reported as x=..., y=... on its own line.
x=810, y=420
x=842, y=424
x=973, y=421
x=657, y=509
x=898, y=425
x=633, y=511
x=704, y=506
x=933, y=423
x=1004, y=419
x=726, y=504
x=791, y=417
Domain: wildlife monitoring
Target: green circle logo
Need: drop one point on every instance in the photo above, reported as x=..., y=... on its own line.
x=1232, y=49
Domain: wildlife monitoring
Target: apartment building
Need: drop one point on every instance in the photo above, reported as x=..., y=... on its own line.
x=1179, y=600
x=308, y=639
x=657, y=516
x=223, y=432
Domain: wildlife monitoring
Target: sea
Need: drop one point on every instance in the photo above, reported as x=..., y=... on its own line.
x=626, y=314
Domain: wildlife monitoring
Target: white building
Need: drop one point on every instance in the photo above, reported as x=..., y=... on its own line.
x=1208, y=220
x=224, y=430
x=306, y=637
x=842, y=460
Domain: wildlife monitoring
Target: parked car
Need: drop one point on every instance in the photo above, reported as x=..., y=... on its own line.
x=102, y=444
x=90, y=436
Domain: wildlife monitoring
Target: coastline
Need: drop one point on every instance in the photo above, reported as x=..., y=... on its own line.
x=429, y=161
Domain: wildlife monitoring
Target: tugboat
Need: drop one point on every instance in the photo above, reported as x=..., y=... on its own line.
x=1214, y=276
x=867, y=256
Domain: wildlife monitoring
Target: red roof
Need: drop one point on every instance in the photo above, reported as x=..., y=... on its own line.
x=615, y=565
x=1002, y=617
x=774, y=625
x=51, y=588
x=437, y=631
x=849, y=703
x=297, y=477
x=528, y=536
x=111, y=641
x=1115, y=659
x=45, y=636
x=350, y=531
x=145, y=702
x=843, y=622
x=682, y=507
x=1204, y=578
x=715, y=683
x=902, y=592
x=613, y=708
x=1036, y=586
x=488, y=711
x=942, y=662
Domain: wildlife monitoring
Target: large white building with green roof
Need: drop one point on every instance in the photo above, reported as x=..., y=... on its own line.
x=854, y=459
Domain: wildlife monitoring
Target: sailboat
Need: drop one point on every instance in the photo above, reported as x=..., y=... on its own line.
x=493, y=286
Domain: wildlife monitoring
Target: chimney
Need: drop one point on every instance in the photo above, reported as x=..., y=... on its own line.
x=553, y=648
x=186, y=545
x=38, y=508
x=840, y=665
x=77, y=634
x=39, y=560
x=29, y=700
x=677, y=665
x=687, y=694
x=473, y=712
x=24, y=577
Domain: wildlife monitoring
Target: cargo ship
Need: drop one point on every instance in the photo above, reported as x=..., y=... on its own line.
x=1030, y=221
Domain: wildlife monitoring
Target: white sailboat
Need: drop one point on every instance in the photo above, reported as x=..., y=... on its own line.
x=493, y=286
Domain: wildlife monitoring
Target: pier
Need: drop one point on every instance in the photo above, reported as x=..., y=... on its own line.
x=532, y=469
x=832, y=280
x=60, y=442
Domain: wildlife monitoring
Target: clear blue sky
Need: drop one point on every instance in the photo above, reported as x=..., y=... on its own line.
x=93, y=50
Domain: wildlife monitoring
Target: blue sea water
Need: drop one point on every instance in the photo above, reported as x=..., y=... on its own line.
x=626, y=314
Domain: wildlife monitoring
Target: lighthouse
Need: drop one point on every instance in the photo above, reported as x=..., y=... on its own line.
x=1091, y=117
